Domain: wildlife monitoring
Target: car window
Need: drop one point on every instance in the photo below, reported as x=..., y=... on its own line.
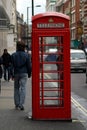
x=78, y=56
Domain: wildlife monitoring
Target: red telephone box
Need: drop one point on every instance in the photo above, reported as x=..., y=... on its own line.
x=51, y=97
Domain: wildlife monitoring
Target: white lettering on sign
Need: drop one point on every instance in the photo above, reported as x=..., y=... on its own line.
x=50, y=25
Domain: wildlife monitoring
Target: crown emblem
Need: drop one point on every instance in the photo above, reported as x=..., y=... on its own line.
x=50, y=20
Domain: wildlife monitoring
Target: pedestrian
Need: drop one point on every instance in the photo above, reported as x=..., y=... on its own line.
x=22, y=71
x=0, y=72
x=6, y=61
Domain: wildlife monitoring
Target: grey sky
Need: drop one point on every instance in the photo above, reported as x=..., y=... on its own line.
x=23, y=4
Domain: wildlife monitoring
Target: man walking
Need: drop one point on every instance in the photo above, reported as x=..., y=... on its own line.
x=6, y=61
x=22, y=70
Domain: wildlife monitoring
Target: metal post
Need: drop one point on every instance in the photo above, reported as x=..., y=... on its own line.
x=32, y=7
x=27, y=26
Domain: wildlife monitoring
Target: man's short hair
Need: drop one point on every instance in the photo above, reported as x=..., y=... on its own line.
x=20, y=46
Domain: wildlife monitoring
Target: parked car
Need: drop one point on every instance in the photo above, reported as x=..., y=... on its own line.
x=78, y=60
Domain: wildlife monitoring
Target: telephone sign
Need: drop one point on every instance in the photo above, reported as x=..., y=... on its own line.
x=50, y=25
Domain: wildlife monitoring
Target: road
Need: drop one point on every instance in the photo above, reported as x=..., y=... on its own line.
x=79, y=96
x=78, y=84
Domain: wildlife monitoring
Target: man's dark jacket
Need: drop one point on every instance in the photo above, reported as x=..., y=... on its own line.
x=21, y=63
x=6, y=59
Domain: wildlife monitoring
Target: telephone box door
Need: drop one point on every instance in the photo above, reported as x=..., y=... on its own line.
x=51, y=75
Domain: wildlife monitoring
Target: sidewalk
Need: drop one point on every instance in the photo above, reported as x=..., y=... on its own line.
x=11, y=119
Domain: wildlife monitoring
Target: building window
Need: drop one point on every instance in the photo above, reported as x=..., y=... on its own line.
x=73, y=3
x=73, y=33
x=73, y=17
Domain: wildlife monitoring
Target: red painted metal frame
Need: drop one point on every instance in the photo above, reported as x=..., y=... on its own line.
x=41, y=111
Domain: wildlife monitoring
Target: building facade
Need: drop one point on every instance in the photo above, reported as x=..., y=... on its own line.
x=50, y=5
x=83, y=17
x=8, y=28
x=77, y=10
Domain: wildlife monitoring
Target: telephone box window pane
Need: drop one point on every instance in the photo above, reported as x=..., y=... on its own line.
x=53, y=94
x=52, y=103
x=52, y=85
x=49, y=44
x=51, y=40
x=49, y=67
x=51, y=57
x=56, y=67
x=49, y=76
x=52, y=76
x=57, y=102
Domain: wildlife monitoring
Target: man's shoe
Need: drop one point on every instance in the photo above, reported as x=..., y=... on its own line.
x=21, y=108
x=17, y=107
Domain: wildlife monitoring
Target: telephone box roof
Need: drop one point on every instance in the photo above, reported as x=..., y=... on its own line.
x=55, y=14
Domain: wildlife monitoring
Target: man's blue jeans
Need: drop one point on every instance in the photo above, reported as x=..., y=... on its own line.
x=20, y=82
x=6, y=73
